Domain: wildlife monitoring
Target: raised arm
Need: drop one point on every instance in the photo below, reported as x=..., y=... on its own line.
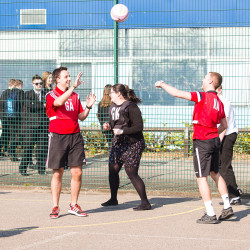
x=173, y=91
x=64, y=97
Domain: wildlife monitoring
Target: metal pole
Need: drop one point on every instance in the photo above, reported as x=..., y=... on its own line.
x=115, y=49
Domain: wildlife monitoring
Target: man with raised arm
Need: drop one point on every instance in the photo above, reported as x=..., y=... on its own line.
x=64, y=108
x=208, y=112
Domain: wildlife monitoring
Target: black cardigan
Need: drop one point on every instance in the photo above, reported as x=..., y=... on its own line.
x=130, y=120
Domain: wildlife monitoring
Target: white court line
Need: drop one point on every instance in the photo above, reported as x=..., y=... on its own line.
x=45, y=241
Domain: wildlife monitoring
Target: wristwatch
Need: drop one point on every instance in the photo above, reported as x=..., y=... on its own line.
x=74, y=85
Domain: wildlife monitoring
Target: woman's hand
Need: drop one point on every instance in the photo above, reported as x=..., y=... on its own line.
x=117, y=131
x=106, y=126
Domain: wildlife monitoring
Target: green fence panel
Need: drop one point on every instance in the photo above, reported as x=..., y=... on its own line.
x=152, y=44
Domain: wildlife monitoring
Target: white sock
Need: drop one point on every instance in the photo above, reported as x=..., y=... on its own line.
x=226, y=201
x=209, y=208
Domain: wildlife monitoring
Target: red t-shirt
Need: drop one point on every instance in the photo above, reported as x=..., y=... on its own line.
x=208, y=112
x=63, y=119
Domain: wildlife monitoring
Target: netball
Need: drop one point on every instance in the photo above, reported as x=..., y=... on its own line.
x=119, y=13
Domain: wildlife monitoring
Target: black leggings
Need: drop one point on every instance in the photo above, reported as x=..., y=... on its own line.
x=136, y=180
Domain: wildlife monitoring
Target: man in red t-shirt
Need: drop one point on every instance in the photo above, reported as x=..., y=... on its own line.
x=208, y=112
x=63, y=107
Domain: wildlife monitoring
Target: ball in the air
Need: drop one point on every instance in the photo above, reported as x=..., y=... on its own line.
x=119, y=13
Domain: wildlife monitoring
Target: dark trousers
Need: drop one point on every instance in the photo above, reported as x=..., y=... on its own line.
x=225, y=167
x=37, y=136
x=5, y=137
x=10, y=135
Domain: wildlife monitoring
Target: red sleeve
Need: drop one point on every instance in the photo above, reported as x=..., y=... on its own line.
x=196, y=96
x=50, y=100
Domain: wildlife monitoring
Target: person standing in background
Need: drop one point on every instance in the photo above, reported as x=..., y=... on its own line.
x=11, y=103
x=35, y=128
x=103, y=113
x=47, y=81
x=5, y=136
x=228, y=138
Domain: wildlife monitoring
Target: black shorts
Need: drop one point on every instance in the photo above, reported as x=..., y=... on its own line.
x=206, y=156
x=123, y=152
x=64, y=149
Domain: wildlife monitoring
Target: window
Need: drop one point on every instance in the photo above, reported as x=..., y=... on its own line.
x=32, y=16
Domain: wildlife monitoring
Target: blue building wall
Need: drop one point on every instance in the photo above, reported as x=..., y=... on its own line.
x=82, y=14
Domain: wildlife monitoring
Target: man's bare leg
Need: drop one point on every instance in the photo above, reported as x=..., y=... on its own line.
x=56, y=185
x=76, y=181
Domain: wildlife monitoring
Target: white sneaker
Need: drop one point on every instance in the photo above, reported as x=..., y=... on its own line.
x=235, y=201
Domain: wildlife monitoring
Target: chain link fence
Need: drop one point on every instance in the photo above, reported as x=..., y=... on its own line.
x=169, y=40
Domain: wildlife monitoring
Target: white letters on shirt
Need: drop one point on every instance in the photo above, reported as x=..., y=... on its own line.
x=69, y=105
x=115, y=113
x=216, y=104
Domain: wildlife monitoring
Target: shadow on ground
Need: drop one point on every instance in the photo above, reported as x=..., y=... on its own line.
x=155, y=202
x=15, y=231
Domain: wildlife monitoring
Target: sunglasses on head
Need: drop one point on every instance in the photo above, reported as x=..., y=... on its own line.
x=38, y=83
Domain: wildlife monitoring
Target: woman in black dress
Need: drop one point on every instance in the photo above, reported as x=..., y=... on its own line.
x=128, y=143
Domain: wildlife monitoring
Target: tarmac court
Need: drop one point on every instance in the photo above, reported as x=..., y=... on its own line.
x=171, y=224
